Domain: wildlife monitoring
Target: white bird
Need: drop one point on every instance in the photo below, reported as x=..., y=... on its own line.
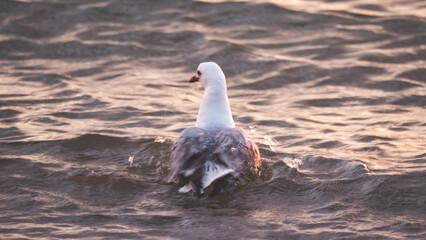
x=213, y=155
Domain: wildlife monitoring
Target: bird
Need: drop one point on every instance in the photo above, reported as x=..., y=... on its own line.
x=214, y=155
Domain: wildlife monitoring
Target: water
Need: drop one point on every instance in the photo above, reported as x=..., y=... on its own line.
x=333, y=92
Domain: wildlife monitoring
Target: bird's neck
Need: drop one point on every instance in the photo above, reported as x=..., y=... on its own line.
x=215, y=111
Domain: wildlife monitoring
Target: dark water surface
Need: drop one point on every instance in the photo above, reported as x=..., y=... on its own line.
x=333, y=92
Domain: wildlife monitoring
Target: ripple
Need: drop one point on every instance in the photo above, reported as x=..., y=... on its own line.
x=94, y=141
x=416, y=75
x=8, y=113
x=337, y=88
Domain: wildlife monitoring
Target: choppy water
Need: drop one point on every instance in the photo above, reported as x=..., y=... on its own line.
x=332, y=91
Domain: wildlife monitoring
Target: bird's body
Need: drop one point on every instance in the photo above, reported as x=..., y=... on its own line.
x=214, y=150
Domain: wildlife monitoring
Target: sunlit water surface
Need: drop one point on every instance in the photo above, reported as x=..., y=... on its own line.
x=333, y=92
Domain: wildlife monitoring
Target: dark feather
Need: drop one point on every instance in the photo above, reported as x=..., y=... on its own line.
x=229, y=148
x=236, y=151
x=189, y=152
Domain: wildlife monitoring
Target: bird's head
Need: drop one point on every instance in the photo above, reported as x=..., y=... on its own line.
x=209, y=73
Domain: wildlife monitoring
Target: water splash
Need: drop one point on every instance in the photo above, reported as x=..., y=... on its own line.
x=159, y=139
x=293, y=162
x=131, y=157
x=271, y=142
x=252, y=128
x=289, y=161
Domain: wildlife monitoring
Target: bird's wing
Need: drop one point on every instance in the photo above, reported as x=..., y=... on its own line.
x=236, y=151
x=189, y=153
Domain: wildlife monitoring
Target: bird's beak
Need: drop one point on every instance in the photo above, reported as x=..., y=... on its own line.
x=194, y=79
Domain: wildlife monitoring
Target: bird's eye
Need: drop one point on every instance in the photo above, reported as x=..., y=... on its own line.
x=199, y=73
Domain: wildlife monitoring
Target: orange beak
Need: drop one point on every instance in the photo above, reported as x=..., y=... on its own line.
x=194, y=79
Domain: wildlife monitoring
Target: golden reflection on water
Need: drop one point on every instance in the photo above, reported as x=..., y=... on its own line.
x=332, y=92
x=363, y=7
